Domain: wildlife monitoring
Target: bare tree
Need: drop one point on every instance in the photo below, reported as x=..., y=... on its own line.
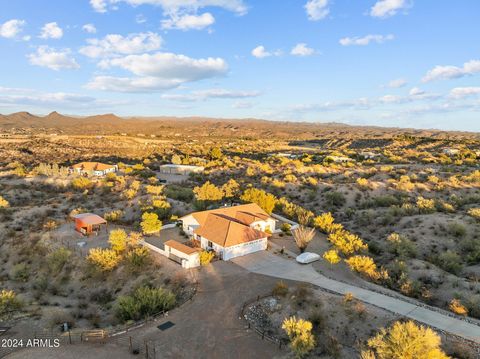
x=303, y=235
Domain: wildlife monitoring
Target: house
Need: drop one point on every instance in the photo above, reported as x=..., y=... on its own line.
x=230, y=231
x=93, y=168
x=88, y=223
x=368, y=155
x=187, y=256
x=180, y=169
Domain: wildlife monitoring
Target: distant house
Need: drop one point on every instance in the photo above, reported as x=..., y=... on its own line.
x=180, y=169
x=368, y=155
x=230, y=231
x=88, y=223
x=93, y=168
x=339, y=159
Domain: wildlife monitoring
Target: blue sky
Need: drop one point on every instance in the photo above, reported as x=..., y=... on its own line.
x=404, y=63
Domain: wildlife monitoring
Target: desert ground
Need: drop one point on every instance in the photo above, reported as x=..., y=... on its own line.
x=399, y=208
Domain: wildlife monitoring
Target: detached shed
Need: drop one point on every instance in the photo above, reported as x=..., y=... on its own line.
x=88, y=223
x=187, y=256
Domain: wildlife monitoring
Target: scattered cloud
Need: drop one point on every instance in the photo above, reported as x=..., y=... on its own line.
x=260, y=52
x=452, y=72
x=54, y=100
x=90, y=28
x=140, y=19
x=11, y=28
x=157, y=72
x=188, y=22
x=463, y=92
x=203, y=95
x=53, y=59
x=387, y=8
x=242, y=105
x=397, y=83
x=51, y=31
x=302, y=49
x=317, y=9
x=114, y=44
x=365, y=40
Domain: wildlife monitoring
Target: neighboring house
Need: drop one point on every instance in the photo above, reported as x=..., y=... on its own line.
x=187, y=256
x=339, y=159
x=88, y=223
x=369, y=155
x=180, y=169
x=93, y=168
x=230, y=231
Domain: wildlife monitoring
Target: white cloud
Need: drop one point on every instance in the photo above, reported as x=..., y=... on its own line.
x=114, y=44
x=387, y=8
x=159, y=71
x=242, y=105
x=302, y=49
x=317, y=9
x=51, y=100
x=203, y=95
x=397, y=83
x=51, y=30
x=452, y=72
x=140, y=19
x=90, y=28
x=463, y=92
x=415, y=91
x=260, y=52
x=176, y=6
x=11, y=28
x=188, y=22
x=53, y=59
x=365, y=40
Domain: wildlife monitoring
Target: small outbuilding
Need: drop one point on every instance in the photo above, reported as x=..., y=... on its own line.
x=180, y=169
x=187, y=256
x=89, y=223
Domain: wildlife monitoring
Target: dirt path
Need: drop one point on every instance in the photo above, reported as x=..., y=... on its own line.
x=269, y=264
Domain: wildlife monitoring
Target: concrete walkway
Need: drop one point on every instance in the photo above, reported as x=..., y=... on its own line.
x=275, y=266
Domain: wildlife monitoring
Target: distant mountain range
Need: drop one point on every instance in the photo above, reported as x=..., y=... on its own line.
x=107, y=124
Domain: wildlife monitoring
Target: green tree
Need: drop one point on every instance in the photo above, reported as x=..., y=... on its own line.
x=103, y=259
x=150, y=223
x=405, y=340
x=265, y=200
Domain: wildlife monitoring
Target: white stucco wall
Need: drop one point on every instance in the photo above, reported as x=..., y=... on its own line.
x=189, y=224
x=189, y=260
x=262, y=225
x=244, y=249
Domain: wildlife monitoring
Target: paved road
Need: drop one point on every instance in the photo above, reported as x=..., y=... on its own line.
x=272, y=265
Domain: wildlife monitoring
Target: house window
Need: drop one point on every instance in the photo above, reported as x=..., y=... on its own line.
x=210, y=244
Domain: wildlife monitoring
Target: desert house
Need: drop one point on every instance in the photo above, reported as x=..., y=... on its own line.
x=180, y=169
x=89, y=223
x=187, y=256
x=93, y=168
x=230, y=231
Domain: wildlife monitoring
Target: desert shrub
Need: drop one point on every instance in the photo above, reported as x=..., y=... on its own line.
x=405, y=340
x=138, y=257
x=280, y=289
x=363, y=183
x=326, y=223
x=57, y=259
x=364, y=265
x=331, y=256
x=450, y=261
x=150, y=223
x=299, y=331
x=144, y=302
x=4, y=203
x=118, y=240
x=347, y=242
x=208, y=192
x=457, y=307
x=472, y=212
x=179, y=193
x=471, y=250
x=335, y=198
x=286, y=228
x=81, y=183
x=104, y=259
x=21, y=272
x=426, y=205
x=9, y=302
x=114, y=216
x=457, y=229
x=303, y=236
x=206, y=257
x=401, y=246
